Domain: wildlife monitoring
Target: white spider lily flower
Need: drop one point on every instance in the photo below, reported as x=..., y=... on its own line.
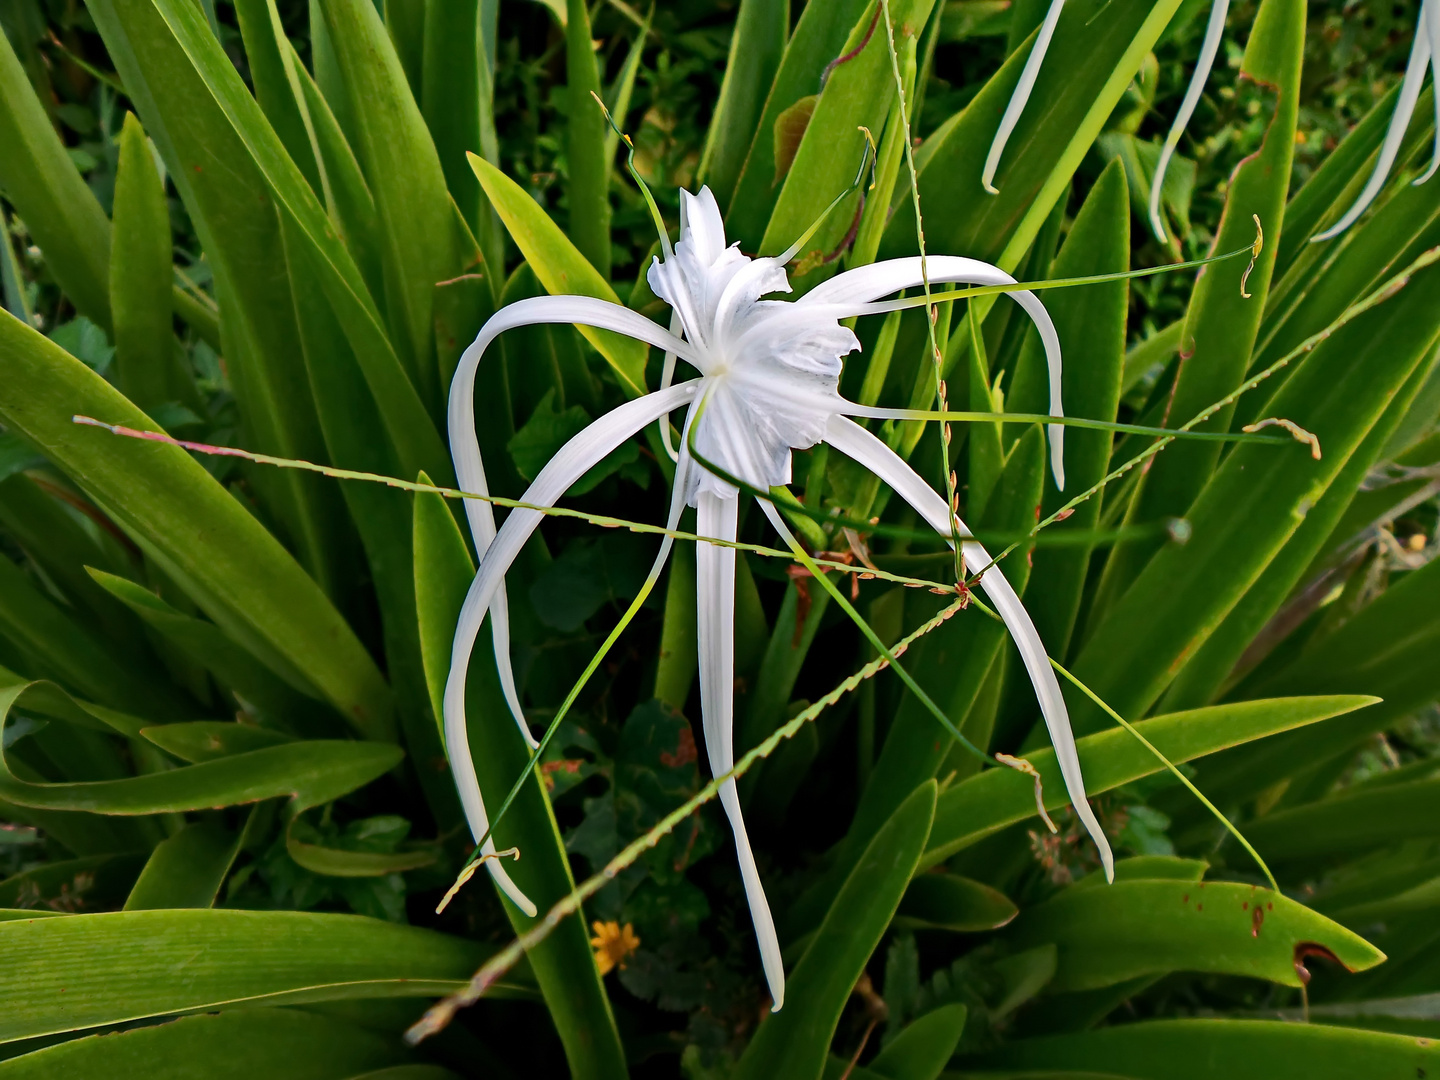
x=1020, y=96
x=769, y=384
x=1424, y=52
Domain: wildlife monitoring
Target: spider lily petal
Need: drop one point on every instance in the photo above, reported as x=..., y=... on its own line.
x=864, y=284
x=717, y=515
x=576, y=458
x=855, y=442
x=1021, y=95
x=1422, y=55
x=1214, y=31
x=465, y=448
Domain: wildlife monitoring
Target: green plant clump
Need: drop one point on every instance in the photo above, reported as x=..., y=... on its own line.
x=230, y=835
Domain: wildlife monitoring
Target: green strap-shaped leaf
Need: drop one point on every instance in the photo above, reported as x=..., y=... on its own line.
x=1253, y=505
x=585, y=143
x=450, y=98
x=197, y=532
x=47, y=190
x=59, y=645
x=149, y=367
x=1221, y=323
x=207, y=645
x=1242, y=1049
x=88, y=970
x=1214, y=666
x=951, y=902
x=1097, y=48
x=563, y=963
x=858, y=92
x=404, y=172
x=1134, y=928
x=795, y=1041
x=278, y=1044
x=186, y=870
x=924, y=1047
x=756, y=46
x=818, y=40
x=561, y=268
x=310, y=772
x=1350, y=821
x=998, y=797
x=210, y=740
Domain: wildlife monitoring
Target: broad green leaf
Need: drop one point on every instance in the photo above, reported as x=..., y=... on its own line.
x=1091, y=325
x=47, y=191
x=207, y=645
x=450, y=97
x=857, y=92
x=585, y=127
x=951, y=902
x=88, y=970
x=1215, y=665
x=756, y=46
x=59, y=645
x=986, y=803
x=1241, y=1049
x=398, y=155
x=1222, y=321
x=177, y=39
x=187, y=870
x=1253, y=506
x=238, y=228
x=1353, y=820
x=310, y=772
x=563, y=963
x=266, y=52
x=174, y=510
x=279, y=1044
x=796, y=1040
x=561, y=268
x=1097, y=48
x=210, y=740
x=819, y=39
x=923, y=1048
x=1133, y=928
x=150, y=370
x=1333, y=187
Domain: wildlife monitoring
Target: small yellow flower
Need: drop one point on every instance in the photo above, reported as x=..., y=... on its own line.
x=612, y=944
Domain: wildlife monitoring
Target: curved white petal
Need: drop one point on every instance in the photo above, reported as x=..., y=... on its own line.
x=1214, y=31
x=717, y=516
x=465, y=449
x=1429, y=25
x=1420, y=53
x=854, y=441
x=574, y=459
x=1021, y=95
x=866, y=283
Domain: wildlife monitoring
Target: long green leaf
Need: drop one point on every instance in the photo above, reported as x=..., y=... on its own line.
x=585, y=142
x=1253, y=505
x=561, y=268
x=756, y=46
x=1097, y=48
x=795, y=1040
x=563, y=963
x=279, y=1044
x=1222, y=322
x=87, y=970
x=140, y=280
x=1133, y=928
x=186, y=870
x=204, y=539
x=310, y=772
x=1243, y=1049
x=982, y=805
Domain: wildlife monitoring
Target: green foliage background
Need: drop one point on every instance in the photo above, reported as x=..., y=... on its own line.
x=227, y=814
